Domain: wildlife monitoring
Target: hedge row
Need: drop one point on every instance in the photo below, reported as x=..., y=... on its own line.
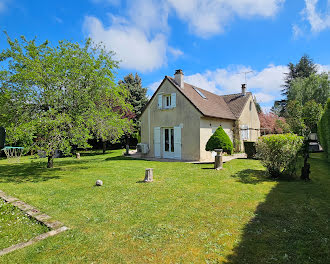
x=323, y=129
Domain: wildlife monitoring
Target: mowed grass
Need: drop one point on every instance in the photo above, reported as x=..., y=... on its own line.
x=189, y=214
x=17, y=227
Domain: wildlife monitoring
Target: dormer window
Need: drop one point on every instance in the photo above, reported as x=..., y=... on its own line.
x=166, y=101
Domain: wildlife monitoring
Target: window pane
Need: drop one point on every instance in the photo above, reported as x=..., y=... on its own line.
x=172, y=140
x=167, y=143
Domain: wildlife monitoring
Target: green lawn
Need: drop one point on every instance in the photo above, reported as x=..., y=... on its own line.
x=17, y=227
x=189, y=214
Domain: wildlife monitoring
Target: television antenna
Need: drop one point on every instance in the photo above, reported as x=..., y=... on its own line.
x=245, y=73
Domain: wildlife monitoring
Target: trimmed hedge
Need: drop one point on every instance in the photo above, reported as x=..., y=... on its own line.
x=219, y=140
x=323, y=129
x=278, y=153
x=250, y=149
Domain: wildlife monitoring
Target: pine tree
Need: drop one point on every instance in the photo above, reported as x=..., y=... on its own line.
x=303, y=69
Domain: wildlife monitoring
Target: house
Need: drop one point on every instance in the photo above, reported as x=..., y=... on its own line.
x=180, y=118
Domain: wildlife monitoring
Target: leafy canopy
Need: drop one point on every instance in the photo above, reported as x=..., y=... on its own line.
x=56, y=97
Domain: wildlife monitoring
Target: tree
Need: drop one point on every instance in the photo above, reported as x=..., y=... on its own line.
x=137, y=97
x=273, y=124
x=258, y=107
x=303, y=120
x=303, y=69
x=56, y=97
x=314, y=87
x=219, y=140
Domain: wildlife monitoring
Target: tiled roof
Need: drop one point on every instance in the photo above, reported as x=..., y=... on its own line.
x=227, y=106
x=236, y=102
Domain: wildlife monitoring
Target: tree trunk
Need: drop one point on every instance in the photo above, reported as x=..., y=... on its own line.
x=127, y=145
x=104, y=147
x=50, y=163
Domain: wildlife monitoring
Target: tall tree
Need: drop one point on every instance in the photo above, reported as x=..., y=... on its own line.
x=303, y=69
x=58, y=96
x=137, y=97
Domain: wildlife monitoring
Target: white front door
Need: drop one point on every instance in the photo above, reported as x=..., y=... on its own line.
x=168, y=143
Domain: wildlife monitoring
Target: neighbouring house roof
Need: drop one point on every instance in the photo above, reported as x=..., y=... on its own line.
x=225, y=106
x=216, y=106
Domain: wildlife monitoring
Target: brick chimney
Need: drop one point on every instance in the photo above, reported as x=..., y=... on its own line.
x=178, y=77
x=243, y=88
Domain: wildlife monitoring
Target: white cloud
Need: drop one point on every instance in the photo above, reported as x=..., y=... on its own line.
x=153, y=87
x=209, y=17
x=131, y=44
x=175, y=52
x=139, y=38
x=318, y=21
x=264, y=98
x=140, y=35
x=296, y=31
x=323, y=68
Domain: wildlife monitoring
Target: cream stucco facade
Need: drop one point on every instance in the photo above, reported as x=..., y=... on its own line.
x=187, y=120
x=184, y=115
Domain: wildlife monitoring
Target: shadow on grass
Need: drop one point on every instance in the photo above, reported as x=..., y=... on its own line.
x=94, y=153
x=20, y=173
x=292, y=225
x=252, y=176
x=123, y=158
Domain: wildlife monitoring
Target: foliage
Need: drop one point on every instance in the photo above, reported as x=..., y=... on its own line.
x=56, y=97
x=219, y=140
x=273, y=124
x=314, y=87
x=323, y=129
x=278, y=153
x=258, y=107
x=303, y=69
x=303, y=119
x=137, y=95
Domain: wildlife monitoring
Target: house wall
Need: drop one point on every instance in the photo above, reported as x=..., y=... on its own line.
x=184, y=114
x=207, y=127
x=251, y=119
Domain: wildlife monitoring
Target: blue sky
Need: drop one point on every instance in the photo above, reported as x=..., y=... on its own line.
x=213, y=41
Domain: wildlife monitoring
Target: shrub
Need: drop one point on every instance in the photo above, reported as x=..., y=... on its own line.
x=219, y=140
x=323, y=130
x=278, y=153
x=250, y=149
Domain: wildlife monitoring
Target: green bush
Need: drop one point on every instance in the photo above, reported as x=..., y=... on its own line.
x=323, y=129
x=250, y=149
x=219, y=140
x=278, y=153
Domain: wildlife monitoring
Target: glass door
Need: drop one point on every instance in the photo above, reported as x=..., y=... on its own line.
x=168, y=143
